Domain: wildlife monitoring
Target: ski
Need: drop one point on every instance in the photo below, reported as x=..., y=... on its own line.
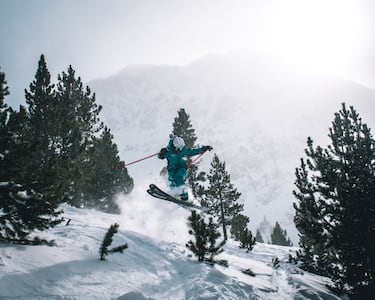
x=156, y=192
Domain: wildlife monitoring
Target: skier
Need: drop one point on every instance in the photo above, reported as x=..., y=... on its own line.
x=176, y=154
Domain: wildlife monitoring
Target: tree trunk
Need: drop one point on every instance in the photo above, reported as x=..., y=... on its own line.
x=223, y=220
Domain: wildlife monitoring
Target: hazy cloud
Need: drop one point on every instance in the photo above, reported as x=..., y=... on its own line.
x=99, y=38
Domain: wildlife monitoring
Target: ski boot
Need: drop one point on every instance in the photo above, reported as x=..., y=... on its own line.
x=184, y=196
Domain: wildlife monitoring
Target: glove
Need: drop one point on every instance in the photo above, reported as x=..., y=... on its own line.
x=207, y=148
x=162, y=153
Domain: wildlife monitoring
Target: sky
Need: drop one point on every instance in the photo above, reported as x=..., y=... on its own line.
x=101, y=37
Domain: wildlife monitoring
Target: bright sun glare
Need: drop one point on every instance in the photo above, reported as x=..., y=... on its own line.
x=328, y=35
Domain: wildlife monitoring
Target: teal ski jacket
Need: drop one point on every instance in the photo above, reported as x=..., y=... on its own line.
x=177, y=161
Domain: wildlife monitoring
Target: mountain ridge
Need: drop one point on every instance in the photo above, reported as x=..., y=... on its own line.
x=256, y=113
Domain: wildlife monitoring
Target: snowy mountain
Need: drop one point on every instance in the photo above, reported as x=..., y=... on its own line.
x=256, y=112
x=156, y=265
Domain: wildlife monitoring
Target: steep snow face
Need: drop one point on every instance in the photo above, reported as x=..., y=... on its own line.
x=157, y=265
x=256, y=112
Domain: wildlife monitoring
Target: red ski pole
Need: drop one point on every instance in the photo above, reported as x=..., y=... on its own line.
x=196, y=159
x=136, y=161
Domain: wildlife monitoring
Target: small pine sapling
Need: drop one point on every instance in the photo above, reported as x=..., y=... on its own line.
x=199, y=231
x=247, y=241
x=280, y=237
x=213, y=235
x=107, y=241
x=276, y=263
x=238, y=224
x=258, y=237
x=205, y=236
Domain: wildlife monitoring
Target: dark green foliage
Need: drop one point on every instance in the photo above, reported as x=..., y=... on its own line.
x=41, y=105
x=107, y=241
x=196, y=180
x=182, y=127
x=199, y=230
x=52, y=152
x=15, y=155
x=72, y=159
x=5, y=135
x=220, y=196
x=4, y=91
x=24, y=207
x=205, y=236
x=335, y=208
x=247, y=241
x=238, y=225
x=276, y=263
x=41, y=169
x=79, y=121
x=258, y=237
x=13, y=206
x=24, y=211
x=103, y=179
x=310, y=223
x=213, y=234
x=279, y=236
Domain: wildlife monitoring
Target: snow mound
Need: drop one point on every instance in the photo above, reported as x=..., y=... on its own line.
x=157, y=265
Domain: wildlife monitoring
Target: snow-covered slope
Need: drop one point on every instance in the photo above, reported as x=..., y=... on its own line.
x=256, y=112
x=157, y=265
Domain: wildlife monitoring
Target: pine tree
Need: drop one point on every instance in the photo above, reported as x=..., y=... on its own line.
x=104, y=179
x=182, y=127
x=79, y=122
x=8, y=135
x=213, y=234
x=313, y=243
x=69, y=161
x=238, y=224
x=220, y=196
x=258, y=237
x=107, y=241
x=41, y=137
x=276, y=262
x=336, y=191
x=23, y=209
x=19, y=148
x=205, y=236
x=247, y=240
x=199, y=230
x=279, y=236
x=69, y=157
x=4, y=113
x=4, y=91
x=40, y=100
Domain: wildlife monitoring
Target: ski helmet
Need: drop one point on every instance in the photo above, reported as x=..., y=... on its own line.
x=178, y=143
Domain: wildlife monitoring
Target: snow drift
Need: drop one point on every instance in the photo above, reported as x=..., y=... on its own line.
x=157, y=265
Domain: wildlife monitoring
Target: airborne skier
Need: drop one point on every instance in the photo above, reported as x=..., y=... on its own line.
x=176, y=154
